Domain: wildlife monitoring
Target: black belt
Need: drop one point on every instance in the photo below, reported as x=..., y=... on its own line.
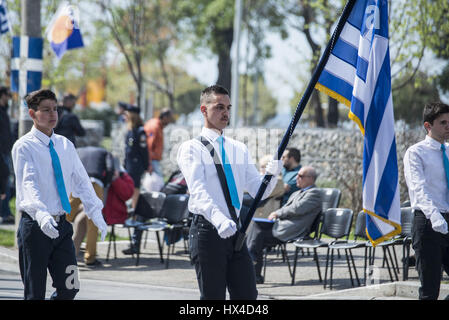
x=58, y=218
x=419, y=212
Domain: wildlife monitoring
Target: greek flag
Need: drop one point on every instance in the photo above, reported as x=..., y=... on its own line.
x=358, y=75
x=4, y=24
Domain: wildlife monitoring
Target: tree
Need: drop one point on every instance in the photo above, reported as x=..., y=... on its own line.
x=410, y=99
x=142, y=30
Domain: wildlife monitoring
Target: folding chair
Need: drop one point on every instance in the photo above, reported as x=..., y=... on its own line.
x=148, y=207
x=172, y=216
x=336, y=224
x=359, y=233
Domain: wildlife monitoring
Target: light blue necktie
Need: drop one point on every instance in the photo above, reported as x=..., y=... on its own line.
x=229, y=176
x=59, y=179
x=446, y=163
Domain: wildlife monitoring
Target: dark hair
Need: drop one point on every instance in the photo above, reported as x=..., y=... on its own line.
x=165, y=113
x=433, y=110
x=295, y=153
x=34, y=98
x=215, y=89
x=4, y=90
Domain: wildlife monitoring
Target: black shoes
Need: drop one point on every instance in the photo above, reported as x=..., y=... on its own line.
x=8, y=220
x=95, y=263
x=259, y=279
x=130, y=250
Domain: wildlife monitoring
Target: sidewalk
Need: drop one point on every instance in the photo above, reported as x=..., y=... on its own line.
x=181, y=274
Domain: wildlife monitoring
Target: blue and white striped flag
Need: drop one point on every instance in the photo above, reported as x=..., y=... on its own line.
x=358, y=75
x=4, y=22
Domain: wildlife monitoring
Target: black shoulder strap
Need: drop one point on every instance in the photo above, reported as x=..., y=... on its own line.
x=221, y=177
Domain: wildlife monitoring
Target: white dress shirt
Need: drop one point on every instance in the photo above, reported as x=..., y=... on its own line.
x=425, y=177
x=206, y=196
x=35, y=180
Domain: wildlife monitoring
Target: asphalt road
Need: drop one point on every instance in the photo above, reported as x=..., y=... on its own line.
x=11, y=288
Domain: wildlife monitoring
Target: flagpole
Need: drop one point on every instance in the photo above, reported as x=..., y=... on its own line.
x=298, y=113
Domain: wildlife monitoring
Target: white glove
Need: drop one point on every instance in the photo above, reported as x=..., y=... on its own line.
x=438, y=223
x=48, y=225
x=98, y=220
x=226, y=229
x=274, y=167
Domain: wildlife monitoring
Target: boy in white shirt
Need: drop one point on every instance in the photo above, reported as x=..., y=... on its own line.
x=426, y=170
x=48, y=170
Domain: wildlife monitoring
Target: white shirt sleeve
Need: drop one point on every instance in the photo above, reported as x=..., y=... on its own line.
x=416, y=183
x=26, y=177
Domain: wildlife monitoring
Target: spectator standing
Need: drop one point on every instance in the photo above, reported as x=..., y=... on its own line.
x=69, y=124
x=5, y=156
x=136, y=150
x=155, y=139
x=291, y=159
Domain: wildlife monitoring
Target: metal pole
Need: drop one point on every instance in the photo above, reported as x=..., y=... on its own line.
x=30, y=17
x=235, y=63
x=30, y=26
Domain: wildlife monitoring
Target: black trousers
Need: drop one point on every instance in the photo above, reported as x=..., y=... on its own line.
x=432, y=255
x=37, y=252
x=260, y=236
x=218, y=267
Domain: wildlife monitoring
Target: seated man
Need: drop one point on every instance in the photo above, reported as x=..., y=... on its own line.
x=293, y=220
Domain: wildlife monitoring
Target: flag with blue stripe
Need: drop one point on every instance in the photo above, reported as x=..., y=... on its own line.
x=26, y=64
x=358, y=75
x=4, y=24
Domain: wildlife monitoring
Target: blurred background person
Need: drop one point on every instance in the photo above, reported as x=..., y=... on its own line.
x=155, y=138
x=69, y=124
x=136, y=150
x=6, y=216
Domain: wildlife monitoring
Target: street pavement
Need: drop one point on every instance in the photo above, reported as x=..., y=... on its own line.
x=120, y=279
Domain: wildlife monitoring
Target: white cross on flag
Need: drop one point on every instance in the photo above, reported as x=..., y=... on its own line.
x=26, y=64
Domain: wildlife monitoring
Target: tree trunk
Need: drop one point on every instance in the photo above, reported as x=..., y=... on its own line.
x=223, y=43
x=332, y=113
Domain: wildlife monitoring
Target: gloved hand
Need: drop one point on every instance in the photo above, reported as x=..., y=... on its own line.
x=47, y=224
x=438, y=223
x=227, y=229
x=274, y=167
x=98, y=220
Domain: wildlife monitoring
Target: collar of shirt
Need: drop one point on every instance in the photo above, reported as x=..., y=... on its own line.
x=210, y=134
x=432, y=143
x=42, y=136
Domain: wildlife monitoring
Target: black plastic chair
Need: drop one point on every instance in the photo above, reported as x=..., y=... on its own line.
x=336, y=224
x=330, y=197
x=172, y=216
x=148, y=207
x=405, y=238
x=359, y=233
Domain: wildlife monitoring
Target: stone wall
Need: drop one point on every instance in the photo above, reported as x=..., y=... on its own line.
x=335, y=153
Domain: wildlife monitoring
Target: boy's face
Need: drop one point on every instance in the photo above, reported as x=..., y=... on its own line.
x=217, y=112
x=45, y=118
x=439, y=130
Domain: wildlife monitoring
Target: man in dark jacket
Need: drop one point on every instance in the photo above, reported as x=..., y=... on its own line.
x=69, y=125
x=5, y=155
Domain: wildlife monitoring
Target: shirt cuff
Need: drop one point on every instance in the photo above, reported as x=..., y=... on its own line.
x=217, y=218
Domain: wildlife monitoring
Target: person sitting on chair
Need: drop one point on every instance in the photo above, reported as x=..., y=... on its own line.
x=293, y=220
